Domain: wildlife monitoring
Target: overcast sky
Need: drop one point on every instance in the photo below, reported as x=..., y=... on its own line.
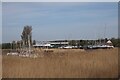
x=59, y=21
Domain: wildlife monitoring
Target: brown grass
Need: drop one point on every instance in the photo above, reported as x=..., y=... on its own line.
x=0, y=63
x=72, y=63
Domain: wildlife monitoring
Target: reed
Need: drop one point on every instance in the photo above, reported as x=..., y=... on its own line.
x=64, y=63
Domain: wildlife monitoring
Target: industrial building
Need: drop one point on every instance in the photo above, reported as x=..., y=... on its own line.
x=50, y=44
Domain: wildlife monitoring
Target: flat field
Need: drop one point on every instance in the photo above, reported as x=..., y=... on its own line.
x=63, y=63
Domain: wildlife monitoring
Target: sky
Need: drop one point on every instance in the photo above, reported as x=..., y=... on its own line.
x=0, y=22
x=60, y=0
x=60, y=20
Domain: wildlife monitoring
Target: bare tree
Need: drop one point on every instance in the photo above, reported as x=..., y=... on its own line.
x=27, y=35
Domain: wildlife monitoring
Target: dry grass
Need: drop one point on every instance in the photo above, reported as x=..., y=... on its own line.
x=64, y=63
x=0, y=63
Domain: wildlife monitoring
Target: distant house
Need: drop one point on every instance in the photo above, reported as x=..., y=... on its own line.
x=109, y=43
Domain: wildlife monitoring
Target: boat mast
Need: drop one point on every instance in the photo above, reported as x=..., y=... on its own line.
x=104, y=33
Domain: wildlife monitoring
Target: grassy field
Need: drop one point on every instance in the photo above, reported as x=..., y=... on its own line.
x=64, y=63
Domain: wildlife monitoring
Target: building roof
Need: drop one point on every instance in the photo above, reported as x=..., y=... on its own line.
x=45, y=43
x=109, y=42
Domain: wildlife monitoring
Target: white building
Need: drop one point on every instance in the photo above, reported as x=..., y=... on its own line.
x=45, y=44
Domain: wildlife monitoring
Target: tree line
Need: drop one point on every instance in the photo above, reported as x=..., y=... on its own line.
x=17, y=45
x=115, y=41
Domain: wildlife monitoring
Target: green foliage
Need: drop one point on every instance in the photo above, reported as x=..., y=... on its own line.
x=116, y=42
x=6, y=46
x=83, y=42
x=72, y=42
x=78, y=42
x=0, y=46
x=34, y=42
